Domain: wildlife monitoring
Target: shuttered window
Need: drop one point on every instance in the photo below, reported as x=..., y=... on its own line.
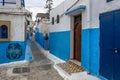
x=52, y=20
x=58, y=18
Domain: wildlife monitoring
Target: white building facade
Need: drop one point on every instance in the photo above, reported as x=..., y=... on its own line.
x=42, y=32
x=12, y=30
x=83, y=34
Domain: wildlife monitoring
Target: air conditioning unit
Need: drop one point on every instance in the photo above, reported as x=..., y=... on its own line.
x=5, y=30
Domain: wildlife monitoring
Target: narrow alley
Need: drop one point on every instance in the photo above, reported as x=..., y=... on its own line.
x=59, y=39
x=41, y=68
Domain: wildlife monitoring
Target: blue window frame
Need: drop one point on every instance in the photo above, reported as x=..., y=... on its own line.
x=3, y=2
x=22, y=3
x=109, y=0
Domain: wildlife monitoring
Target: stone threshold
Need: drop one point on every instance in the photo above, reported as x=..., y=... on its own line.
x=70, y=67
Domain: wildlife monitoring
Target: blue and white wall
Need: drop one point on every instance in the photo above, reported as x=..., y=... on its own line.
x=42, y=29
x=61, y=37
x=8, y=50
x=90, y=36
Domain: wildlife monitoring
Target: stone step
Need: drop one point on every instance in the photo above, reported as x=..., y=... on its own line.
x=71, y=67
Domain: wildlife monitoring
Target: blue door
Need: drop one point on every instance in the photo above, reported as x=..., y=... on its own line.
x=110, y=45
x=117, y=46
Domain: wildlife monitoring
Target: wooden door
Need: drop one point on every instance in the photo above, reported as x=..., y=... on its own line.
x=77, y=38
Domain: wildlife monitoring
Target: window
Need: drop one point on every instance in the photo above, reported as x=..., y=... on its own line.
x=4, y=31
x=58, y=18
x=109, y=0
x=52, y=20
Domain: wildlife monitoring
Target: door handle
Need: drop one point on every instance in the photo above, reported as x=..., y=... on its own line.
x=116, y=50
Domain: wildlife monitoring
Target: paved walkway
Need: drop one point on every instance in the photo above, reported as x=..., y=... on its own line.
x=41, y=68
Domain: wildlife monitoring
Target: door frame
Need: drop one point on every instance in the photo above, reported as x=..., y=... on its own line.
x=72, y=35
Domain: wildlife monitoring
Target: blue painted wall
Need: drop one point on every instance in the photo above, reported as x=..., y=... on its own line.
x=28, y=52
x=86, y=49
x=60, y=44
x=39, y=38
x=90, y=50
x=94, y=51
x=3, y=48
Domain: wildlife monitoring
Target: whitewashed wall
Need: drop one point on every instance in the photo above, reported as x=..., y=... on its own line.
x=101, y=6
x=90, y=17
x=43, y=26
x=65, y=20
x=17, y=26
x=16, y=14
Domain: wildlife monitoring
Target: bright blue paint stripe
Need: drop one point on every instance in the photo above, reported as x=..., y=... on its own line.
x=80, y=8
x=3, y=48
x=86, y=49
x=91, y=51
x=95, y=50
x=28, y=52
x=40, y=38
x=60, y=44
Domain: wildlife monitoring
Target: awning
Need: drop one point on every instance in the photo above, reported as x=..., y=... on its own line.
x=75, y=10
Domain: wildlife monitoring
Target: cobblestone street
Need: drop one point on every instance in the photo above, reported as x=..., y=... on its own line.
x=41, y=68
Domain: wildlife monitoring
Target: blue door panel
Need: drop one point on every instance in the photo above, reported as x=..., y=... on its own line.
x=106, y=45
x=117, y=45
x=106, y=68
x=110, y=45
x=106, y=30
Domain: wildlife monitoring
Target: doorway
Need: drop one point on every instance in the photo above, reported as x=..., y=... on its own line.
x=77, y=38
x=110, y=45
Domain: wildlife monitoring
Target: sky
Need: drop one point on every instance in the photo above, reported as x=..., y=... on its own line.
x=37, y=6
